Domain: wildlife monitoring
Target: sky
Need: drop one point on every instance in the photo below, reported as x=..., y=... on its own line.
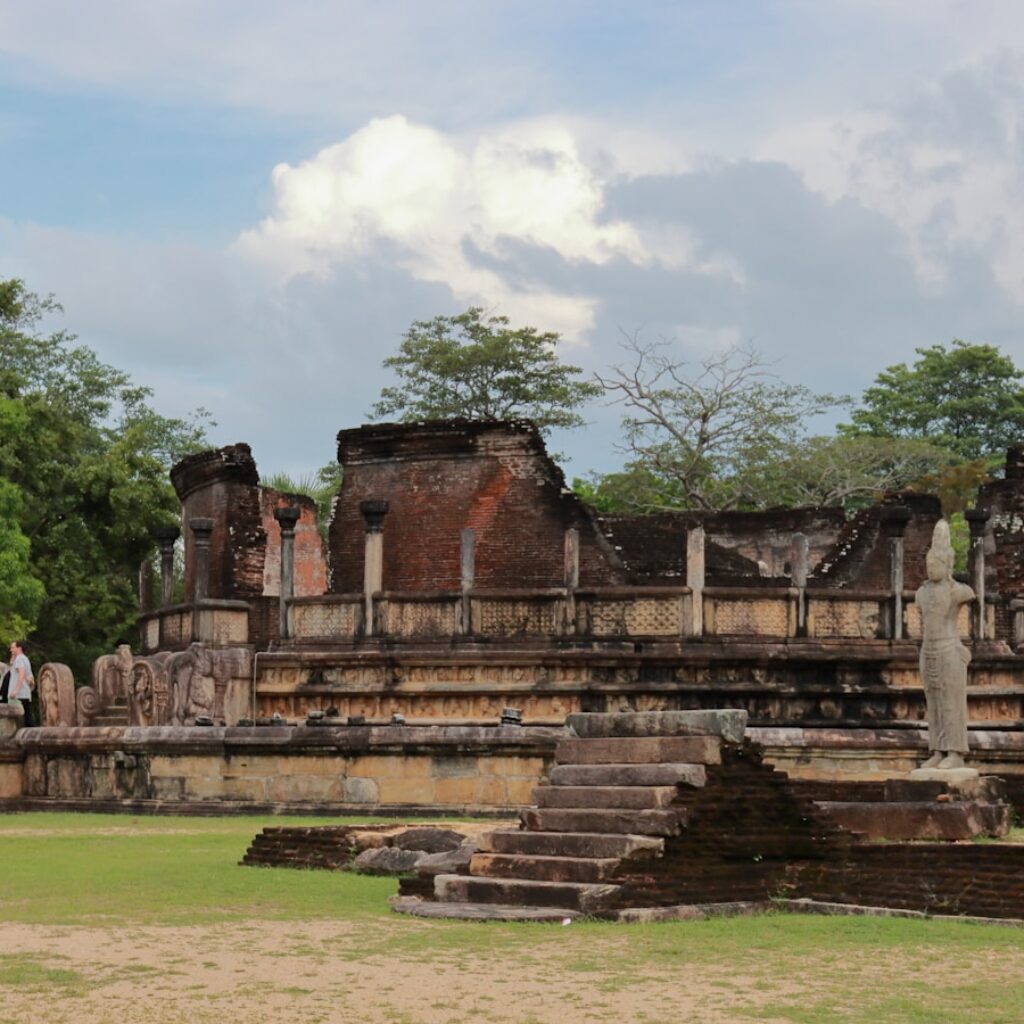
x=246, y=204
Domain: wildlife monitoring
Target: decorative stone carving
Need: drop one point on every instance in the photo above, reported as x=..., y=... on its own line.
x=57, y=695
x=208, y=681
x=149, y=697
x=112, y=675
x=944, y=658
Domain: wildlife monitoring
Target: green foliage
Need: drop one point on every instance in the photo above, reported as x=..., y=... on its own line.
x=21, y=594
x=90, y=459
x=705, y=436
x=479, y=367
x=320, y=487
x=965, y=398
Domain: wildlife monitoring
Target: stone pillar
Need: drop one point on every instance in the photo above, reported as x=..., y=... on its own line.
x=894, y=523
x=286, y=518
x=373, y=512
x=799, y=564
x=202, y=530
x=571, y=556
x=467, y=564
x=146, y=585
x=977, y=518
x=166, y=537
x=695, y=577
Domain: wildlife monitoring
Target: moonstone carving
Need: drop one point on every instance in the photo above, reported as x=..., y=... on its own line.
x=944, y=658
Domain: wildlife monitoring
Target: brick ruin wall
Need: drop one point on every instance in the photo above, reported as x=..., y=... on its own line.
x=441, y=478
x=859, y=558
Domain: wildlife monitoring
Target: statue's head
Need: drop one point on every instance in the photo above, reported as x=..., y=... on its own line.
x=940, y=557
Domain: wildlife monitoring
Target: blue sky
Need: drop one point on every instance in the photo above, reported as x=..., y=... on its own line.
x=246, y=203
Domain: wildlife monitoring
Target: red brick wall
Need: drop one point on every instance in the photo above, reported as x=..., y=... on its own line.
x=441, y=477
x=860, y=560
x=310, y=561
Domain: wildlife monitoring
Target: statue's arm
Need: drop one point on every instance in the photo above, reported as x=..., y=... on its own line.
x=963, y=593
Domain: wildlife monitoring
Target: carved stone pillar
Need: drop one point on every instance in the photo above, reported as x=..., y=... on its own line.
x=286, y=518
x=373, y=512
x=202, y=530
x=799, y=564
x=695, y=577
x=977, y=519
x=166, y=537
x=467, y=566
x=572, y=577
x=894, y=523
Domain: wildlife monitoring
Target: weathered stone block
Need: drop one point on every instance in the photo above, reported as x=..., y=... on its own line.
x=306, y=788
x=628, y=775
x=642, y=823
x=11, y=780
x=387, y=860
x=245, y=789
x=450, y=862
x=11, y=718
x=636, y=797
x=457, y=791
x=646, y=750
x=455, y=767
x=729, y=724
x=406, y=791
x=428, y=840
x=374, y=766
x=571, y=844
x=361, y=791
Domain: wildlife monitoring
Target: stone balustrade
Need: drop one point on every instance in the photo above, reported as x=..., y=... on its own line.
x=207, y=621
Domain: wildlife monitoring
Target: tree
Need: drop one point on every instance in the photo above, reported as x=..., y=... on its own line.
x=21, y=595
x=89, y=458
x=965, y=398
x=707, y=432
x=479, y=367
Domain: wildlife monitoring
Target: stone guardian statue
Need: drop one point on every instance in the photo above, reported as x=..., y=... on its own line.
x=944, y=658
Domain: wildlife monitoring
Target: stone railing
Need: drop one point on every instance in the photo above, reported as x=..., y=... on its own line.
x=618, y=612
x=208, y=621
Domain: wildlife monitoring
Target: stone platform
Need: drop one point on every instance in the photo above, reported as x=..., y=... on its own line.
x=630, y=821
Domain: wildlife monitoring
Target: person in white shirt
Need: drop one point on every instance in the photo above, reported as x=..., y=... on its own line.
x=22, y=680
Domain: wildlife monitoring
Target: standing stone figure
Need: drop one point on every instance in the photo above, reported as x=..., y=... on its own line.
x=943, y=658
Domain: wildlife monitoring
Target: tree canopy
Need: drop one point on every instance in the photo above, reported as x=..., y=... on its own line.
x=86, y=459
x=965, y=398
x=480, y=367
x=707, y=431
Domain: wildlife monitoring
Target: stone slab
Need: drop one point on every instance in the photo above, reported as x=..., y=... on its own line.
x=585, y=897
x=607, y=797
x=691, y=911
x=480, y=911
x=987, y=788
x=727, y=723
x=643, y=823
x=640, y=750
x=547, y=869
x=570, y=844
x=930, y=820
x=951, y=776
x=665, y=774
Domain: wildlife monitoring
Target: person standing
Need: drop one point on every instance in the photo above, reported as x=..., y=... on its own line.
x=22, y=680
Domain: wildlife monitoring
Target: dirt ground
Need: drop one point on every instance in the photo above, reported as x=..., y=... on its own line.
x=335, y=971
x=261, y=971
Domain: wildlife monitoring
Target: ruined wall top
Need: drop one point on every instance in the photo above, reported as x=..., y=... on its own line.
x=233, y=463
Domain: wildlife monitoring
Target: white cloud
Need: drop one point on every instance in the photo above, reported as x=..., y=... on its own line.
x=443, y=203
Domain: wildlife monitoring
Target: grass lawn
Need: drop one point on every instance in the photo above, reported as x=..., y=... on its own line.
x=109, y=917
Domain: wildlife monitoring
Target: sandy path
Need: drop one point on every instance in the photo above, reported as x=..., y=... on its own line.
x=316, y=972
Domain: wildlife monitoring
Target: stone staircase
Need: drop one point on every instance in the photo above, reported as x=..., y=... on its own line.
x=641, y=809
x=114, y=714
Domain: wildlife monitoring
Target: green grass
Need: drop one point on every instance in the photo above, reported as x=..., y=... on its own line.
x=99, y=868
x=118, y=873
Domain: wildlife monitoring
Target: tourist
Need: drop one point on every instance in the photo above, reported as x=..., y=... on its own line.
x=22, y=680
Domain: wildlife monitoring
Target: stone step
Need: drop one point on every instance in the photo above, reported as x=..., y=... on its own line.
x=480, y=911
x=728, y=723
x=628, y=775
x=633, y=797
x=644, y=823
x=586, y=897
x=643, y=750
x=570, y=844
x=546, y=869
